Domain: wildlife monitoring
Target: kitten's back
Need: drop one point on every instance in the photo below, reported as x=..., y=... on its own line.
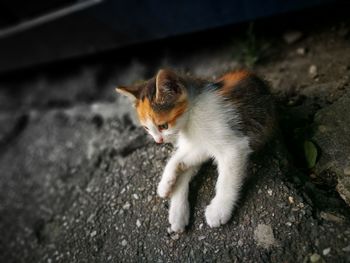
x=255, y=104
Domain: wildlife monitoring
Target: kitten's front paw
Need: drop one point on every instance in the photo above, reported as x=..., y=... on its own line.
x=165, y=187
x=218, y=213
x=179, y=215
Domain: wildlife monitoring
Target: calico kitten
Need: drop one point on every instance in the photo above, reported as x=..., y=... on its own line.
x=224, y=120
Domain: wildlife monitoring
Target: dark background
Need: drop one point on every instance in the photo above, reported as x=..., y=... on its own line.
x=107, y=25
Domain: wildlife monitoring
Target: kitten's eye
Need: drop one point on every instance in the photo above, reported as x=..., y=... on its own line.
x=145, y=127
x=163, y=126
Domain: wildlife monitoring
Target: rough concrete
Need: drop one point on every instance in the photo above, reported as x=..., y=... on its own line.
x=332, y=125
x=88, y=195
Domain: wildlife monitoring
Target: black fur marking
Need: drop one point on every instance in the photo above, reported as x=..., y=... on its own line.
x=256, y=108
x=157, y=107
x=149, y=90
x=172, y=87
x=217, y=85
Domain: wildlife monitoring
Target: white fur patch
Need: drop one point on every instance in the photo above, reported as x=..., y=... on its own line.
x=204, y=133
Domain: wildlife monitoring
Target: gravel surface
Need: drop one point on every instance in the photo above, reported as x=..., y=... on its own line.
x=78, y=176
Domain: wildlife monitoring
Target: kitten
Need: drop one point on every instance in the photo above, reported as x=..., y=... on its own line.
x=224, y=120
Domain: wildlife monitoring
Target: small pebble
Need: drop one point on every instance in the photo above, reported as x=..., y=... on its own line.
x=346, y=249
x=326, y=251
x=201, y=238
x=313, y=176
x=124, y=243
x=291, y=199
x=93, y=233
x=136, y=196
x=347, y=170
x=291, y=217
x=175, y=237
x=263, y=235
x=269, y=192
x=138, y=223
x=301, y=51
x=315, y=258
x=313, y=71
x=126, y=206
x=331, y=217
x=291, y=37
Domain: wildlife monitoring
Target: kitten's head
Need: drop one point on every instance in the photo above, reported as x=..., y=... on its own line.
x=161, y=105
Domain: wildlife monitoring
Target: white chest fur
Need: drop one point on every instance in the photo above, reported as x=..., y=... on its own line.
x=207, y=134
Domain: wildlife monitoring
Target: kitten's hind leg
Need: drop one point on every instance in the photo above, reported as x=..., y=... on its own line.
x=179, y=212
x=232, y=169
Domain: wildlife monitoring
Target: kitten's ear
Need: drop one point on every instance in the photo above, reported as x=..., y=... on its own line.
x=132, y=92
x=168, y=86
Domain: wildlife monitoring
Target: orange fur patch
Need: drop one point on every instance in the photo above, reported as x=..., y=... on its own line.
x=145, y=112
x=231, y=79
x=143, y=109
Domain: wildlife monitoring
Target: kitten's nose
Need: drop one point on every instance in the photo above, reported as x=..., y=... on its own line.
x=160, y=140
